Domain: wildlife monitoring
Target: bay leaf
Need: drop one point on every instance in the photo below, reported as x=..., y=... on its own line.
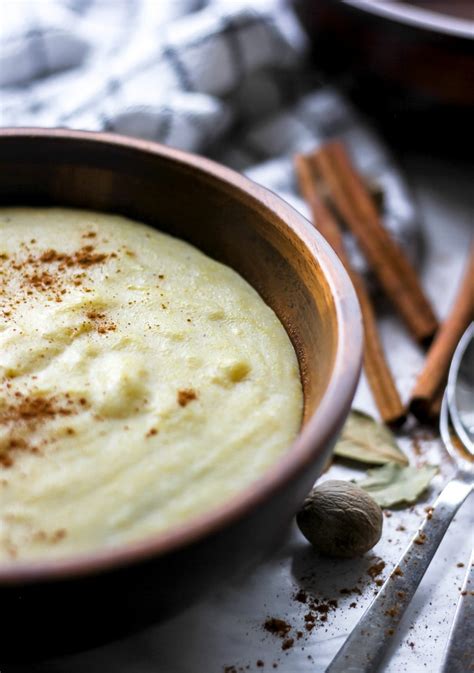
x=365, y=440
x=393, y=484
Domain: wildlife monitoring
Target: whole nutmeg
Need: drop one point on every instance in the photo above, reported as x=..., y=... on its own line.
x=340, y=519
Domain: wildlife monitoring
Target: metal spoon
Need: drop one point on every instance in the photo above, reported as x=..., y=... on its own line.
x=459, y=653
x=460, y=389
x=366, y=645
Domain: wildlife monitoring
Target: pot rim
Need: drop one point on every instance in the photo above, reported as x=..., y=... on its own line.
x=417, y=17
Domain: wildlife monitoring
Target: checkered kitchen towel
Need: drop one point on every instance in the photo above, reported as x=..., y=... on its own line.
x=226, y=78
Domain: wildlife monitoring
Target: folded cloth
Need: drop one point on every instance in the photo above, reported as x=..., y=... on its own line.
x=37, y=40
x=226, y=78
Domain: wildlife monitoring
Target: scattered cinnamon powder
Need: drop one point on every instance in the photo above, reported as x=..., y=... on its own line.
x=277, y=627
x=287, y=643
x=52, y=538
x=398, y=572
x=429, y=512
x=348, y=592
x=48, y=272
x=33, y=410
x=185, y=396
x=420, y=538
x=95, y=315
x=6, y=460
x=301, y=596
x=84, y=257
x=24, y=413
x=310, y=618
x=417, y=446
x=100, y=322
x=376, y=569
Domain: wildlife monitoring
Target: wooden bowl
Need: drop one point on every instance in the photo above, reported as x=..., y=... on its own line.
x=72, y=603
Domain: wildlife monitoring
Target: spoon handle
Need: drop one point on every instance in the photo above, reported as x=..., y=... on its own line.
x=366, y=645
x=459, y=653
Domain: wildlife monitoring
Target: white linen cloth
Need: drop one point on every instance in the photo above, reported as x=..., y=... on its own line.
x=225, y=78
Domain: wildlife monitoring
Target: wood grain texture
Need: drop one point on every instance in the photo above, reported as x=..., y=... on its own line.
x=376, y=367
x=395, y=274
x=426, y=397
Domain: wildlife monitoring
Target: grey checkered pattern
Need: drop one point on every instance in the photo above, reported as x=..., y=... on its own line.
x=226, y=78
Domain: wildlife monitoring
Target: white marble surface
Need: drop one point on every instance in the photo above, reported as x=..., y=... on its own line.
x=227, y=628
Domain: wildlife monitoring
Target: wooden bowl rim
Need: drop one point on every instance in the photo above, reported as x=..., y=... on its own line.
x=417, y=17
x=319, y=428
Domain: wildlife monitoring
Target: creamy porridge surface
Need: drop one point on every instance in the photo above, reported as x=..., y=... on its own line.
x=141, y=382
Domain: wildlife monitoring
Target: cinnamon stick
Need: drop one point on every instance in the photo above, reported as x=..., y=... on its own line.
x=376, y=367
x=428, y=389
x=388, y=261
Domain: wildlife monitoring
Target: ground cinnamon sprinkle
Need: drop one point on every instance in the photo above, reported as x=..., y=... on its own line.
x=49, y=271
x=95, y=315
x=429, y=512
x=185, y=396
x=22, y=414
x=100, y=321
x=33, y=409
x=53, y=538
x=376, y=569
x=85, y=256
x=277, y=626
x=6, y=460
x=348, y=592
x=301, y=596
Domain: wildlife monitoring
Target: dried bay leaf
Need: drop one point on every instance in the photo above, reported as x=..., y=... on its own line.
x=364, y=440
x=393, y=484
